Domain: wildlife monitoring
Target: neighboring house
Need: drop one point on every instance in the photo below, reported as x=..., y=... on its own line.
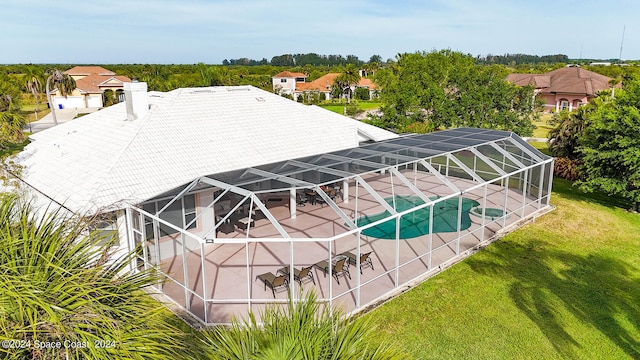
x=564, y=89
x=91, y=84
x=321, y=85
x=285, y=82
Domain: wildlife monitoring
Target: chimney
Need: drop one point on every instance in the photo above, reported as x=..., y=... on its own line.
x=135, y=95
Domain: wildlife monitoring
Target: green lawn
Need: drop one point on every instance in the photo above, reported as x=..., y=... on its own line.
x=566, y=286
x=362, y=105
x=542, y=127
x=335, y=108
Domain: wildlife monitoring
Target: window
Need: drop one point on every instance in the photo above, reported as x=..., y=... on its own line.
x=564, y=104
x=180, y=213
x=283, y=80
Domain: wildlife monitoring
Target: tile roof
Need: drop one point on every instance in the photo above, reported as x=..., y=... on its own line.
x=88, y=70
x=102, y=161
x=325, y=82
x=574, y=80
x=288, y=74
x=95, y=83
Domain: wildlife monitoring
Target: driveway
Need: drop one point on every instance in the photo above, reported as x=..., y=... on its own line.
x=62, y=115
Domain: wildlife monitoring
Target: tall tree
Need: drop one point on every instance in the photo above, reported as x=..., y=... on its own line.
x=57, y=284
x=610, y=146
x=64, y=83
x=33, y=79
x=446, y=88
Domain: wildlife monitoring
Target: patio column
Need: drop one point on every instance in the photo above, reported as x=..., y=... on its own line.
x=292, y=203
x=345, y=191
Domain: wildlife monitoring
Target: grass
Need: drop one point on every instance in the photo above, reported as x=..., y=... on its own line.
x=14, y=148
x=566, y=286
x=363, y=105
x=542, y=127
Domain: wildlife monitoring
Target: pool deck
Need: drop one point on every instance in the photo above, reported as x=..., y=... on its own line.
x=230, y=270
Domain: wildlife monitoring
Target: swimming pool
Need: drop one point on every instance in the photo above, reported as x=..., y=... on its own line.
x=445, y=217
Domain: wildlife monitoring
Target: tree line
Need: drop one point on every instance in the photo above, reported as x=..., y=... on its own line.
x=516, y=59
x=312, y=59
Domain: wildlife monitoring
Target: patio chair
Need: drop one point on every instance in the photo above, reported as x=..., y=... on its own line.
x=365, y=259
x=273, y=282
x=332, y=193
x=301, y=199
x=320, y=200
x=226, y=227
x=337, y=269
x=298, y=275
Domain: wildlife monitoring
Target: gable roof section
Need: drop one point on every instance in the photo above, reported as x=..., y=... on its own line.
x=101, y=161
x=94, y=83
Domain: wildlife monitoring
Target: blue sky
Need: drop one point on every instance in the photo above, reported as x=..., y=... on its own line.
x=208, y=31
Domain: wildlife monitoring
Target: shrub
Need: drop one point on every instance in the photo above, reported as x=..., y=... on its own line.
x=567, y=168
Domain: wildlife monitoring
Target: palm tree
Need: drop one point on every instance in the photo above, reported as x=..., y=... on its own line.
x=348, y=80
x=59, y=284
x=64, y=83
x=613, y=83
x=11, y=124
x=33, y=84
x=11, y=120
x=304, y=330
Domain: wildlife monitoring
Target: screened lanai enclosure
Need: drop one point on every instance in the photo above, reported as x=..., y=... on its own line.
x=355, y=226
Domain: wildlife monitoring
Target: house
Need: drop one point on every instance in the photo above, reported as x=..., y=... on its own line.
x=222, y=188
x=284, y=83
x=91, y=84
x=129, y=152
x=321, y=85
x=563, y=89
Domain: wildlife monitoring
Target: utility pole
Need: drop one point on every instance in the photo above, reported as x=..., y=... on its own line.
x=621, y=43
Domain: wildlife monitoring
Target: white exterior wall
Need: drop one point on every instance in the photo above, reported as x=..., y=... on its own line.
x=94, y=100
x=287, y=87
x=69, y=102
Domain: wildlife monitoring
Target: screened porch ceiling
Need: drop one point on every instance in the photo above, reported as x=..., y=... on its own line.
x=502, y=153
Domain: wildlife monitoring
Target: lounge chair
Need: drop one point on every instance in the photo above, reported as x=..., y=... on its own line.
x=273, y=282
x=298, y=275
x=339, y=268
x=365, y=259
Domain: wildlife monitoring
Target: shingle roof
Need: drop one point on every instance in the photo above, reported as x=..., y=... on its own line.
x=102, y=161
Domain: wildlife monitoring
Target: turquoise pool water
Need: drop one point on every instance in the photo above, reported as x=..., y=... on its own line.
x=445, y=218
